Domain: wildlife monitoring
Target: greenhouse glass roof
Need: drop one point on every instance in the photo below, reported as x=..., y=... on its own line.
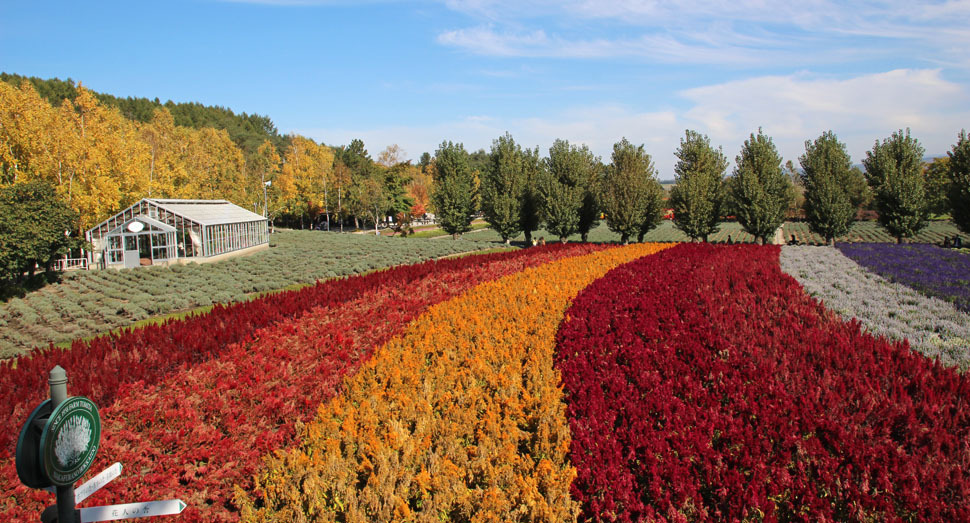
x=208, y=212
x=164, y=227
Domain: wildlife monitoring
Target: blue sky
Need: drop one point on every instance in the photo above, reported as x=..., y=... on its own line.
x=416, y=73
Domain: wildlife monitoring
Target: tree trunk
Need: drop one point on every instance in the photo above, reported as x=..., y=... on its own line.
x=899, y=239
x=528, y=237
x=625, y=239
x=585, y=237
x=454, y=236
x=151, y=173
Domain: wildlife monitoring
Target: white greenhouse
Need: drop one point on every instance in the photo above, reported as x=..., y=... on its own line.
x=163, y=232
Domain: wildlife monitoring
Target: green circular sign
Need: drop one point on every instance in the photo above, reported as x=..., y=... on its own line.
x=70, y=440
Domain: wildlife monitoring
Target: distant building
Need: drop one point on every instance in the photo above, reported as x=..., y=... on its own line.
x=163, y=232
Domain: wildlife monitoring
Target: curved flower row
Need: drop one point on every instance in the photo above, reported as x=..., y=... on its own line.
x=932, y=326
x=732, y=395
x=200, y=431
x=459, y=419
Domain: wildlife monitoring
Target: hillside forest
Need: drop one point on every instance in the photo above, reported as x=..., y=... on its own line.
x=102, y=153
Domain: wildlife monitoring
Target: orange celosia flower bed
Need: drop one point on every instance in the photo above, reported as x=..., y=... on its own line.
x=458, y=418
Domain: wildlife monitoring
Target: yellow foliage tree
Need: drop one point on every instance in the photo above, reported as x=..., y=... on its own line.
x=307, y=172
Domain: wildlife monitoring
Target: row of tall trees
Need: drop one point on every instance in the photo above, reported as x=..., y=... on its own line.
x=569, y=189
x=759, y=192
x=566, y=191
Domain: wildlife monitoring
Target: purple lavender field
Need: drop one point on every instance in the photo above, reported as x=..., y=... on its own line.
x=932, y=270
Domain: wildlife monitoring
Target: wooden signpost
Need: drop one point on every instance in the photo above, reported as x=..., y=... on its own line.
x=58, y=444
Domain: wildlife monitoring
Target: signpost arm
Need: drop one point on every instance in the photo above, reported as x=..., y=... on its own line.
x=65, y=494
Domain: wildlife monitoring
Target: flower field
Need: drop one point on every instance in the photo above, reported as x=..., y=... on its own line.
x=932, y=326
x=932, y=270
x=568, y=382
x=734, y=396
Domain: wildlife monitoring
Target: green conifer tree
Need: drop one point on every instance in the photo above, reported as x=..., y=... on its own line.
x=827, y=167
x=958, y=192
x=454, y=189
x=894, y=171
x=503, y=187
x=760, y=192
x=565, y=189
x=632, y=195
x=698, y=196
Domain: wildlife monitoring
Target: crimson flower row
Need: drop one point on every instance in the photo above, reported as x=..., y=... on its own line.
x=703, y=383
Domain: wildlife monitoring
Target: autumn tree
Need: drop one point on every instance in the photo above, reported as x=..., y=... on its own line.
x=265, y=165
x=958, y=192
x=308, y=167
x=454, y=189
x=894, y=171
x=391, y=156
x=632, y=195
x=826, y=168
x=419, y=189
x=760, y=193
x=341, y=181
x=698, y=196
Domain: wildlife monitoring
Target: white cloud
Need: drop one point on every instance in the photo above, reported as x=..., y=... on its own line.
x=697, y=48
x=596, y=126
x=727, y=32
x=790, y=109
x=860, y=109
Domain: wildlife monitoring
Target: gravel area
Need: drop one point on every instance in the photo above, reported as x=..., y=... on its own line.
x=933, y=327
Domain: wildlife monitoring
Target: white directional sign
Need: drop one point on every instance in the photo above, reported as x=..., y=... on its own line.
x=132, y=510
x=94, y=484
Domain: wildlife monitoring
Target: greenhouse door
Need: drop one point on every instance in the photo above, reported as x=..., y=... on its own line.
x=132, y=256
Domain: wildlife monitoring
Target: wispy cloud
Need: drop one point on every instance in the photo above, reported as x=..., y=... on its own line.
x=727, y=32
x=791, y=109
x=860, y=109
x=660, y=47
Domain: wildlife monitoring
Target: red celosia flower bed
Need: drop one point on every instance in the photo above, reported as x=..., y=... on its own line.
x=703, y=383
x=194, y=428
